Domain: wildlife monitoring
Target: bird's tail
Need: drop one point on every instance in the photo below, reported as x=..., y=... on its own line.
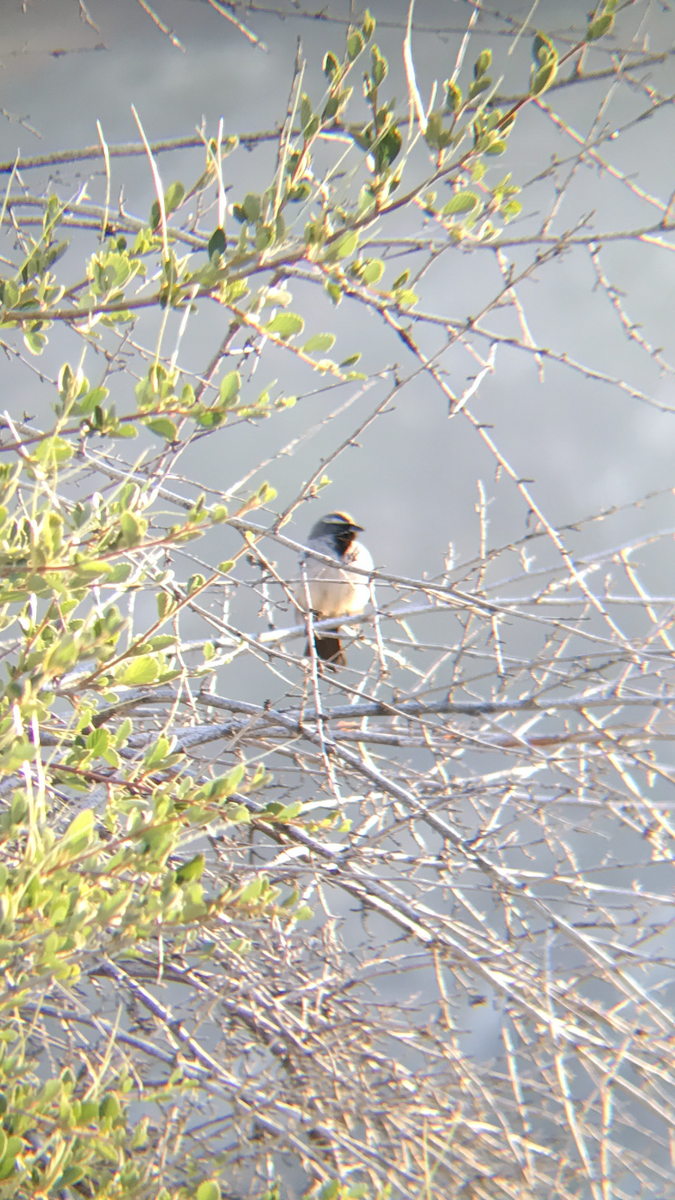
x=329, y=649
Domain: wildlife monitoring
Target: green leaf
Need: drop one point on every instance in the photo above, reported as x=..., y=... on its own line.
x=362, y=135
x=264, y=237
x=53, y=450
x=600, y=26
x=18, y=753
x=347, y=244
x=208, y=1190
x=290, y=811
x=542, y=49
x=407, y=299
x=380, y=66
x=81, y=826
x=191, y=870
x=98, y=742
x=123, y=732
x=343, y=247
x=35, y=341
x=224, y=785
x=331, y=66
x=330, y=1190
x=265, y=494
x=453, y=96
x=163, y=426
x=229, y=388
x=330, y=108
x=545, y=76
x=367, y=25
x=434, y=133
x=173, y=197
x=12, y=1149
x=333, y=290
x=68, y=383
x=133, y=529
x=10, y=293
x=366, y=202
x=461, y=202
x=479, y=85
x=306, y=111
x=373, y=271
x=320, y=341
x=252, y=890
x=355, y=44
x=120, y=573
x=158, y=755
x=217, y=243
x=511, y=209
x=138, y=671
x=161, y=641
x=300, y=192
x=109, y=1108
x=91, y=400
x=388, y=148
x=92, y=569
x=252, y=207
x=482, y=63
x=286, y=325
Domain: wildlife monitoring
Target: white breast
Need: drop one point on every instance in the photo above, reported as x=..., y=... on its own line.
x=336, y=591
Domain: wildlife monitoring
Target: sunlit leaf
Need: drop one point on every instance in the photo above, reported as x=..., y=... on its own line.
x=320, y=341
x=461, y=202
x=138, y=671
x=286, y=325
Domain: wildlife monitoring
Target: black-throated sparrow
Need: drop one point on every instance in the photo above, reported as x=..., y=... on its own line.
x=334, y=591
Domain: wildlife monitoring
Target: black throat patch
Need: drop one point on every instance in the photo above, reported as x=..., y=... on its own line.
x=343, y=540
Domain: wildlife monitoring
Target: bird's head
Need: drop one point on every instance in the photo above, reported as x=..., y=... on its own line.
x=336, y=524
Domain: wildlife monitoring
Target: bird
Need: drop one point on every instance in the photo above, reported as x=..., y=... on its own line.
x=334, y=591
